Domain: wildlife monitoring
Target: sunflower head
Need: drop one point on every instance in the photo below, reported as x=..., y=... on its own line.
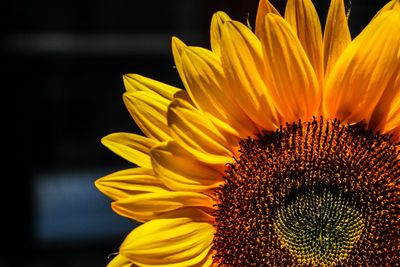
x=281, y=150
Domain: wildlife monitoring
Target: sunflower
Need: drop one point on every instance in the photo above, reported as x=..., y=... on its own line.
x=282, y=150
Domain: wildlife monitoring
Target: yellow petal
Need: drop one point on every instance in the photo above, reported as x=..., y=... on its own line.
x=179, y=170
x=145, y=207
x=172, y=242
x=194, y=214
x=196, y=133
x=393, y=4
x=365, y=70
x=209, y=90
x=336, y=35
x=264, y=7
x=132, y=147
x=135, y=82
x=177, y=49
x=225, y=128
x=386, y=115
x=289, y=75
x=119, y=261
x=125, y=183
x=149, y=112
x=395, y=133
x=303, y=18
x=217, y=21
x=241, y=55
x=209, y=260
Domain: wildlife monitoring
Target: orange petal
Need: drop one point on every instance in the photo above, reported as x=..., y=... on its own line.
x=336, y=35
x=386, y=115
x=264, y=7
x=303, y=18
x=365, y=71
x=289, y=75
x=386, y=111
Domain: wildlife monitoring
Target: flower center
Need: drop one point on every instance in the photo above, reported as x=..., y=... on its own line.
x=311, y=194
x=319, y=226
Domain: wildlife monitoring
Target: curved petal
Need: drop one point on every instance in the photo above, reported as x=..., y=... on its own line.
x=172, y=242
x=336, y=35
x=132, y=147
x=386, y=110
x=145, y=207
x=149, y=112
x=242, y=60
x=386, y=116
x=289, y=75
x=217, y=21
x=303, y=18
x=135, y=82
x=179, y=170
x=119, y=261
x=365, y=70
x=394, y=113
x=177, y=50
x=264, y=7
x=209, y=261
x=196, y=133
x=393, y=4
x=207, y=86
x=125, y=183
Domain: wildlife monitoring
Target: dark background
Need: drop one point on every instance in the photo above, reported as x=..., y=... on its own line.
x=62, y=88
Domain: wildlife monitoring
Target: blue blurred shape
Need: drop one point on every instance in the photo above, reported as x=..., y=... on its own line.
x=68, y=207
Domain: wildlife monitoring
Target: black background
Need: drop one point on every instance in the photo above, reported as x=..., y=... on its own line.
x=62, y=91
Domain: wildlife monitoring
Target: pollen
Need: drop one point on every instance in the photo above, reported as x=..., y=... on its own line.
x=313, y=193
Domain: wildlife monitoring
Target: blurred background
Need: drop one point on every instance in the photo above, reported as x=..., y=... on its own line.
x=62, y=88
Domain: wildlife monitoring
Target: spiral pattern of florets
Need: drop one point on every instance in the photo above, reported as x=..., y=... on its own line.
x=320, y=226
